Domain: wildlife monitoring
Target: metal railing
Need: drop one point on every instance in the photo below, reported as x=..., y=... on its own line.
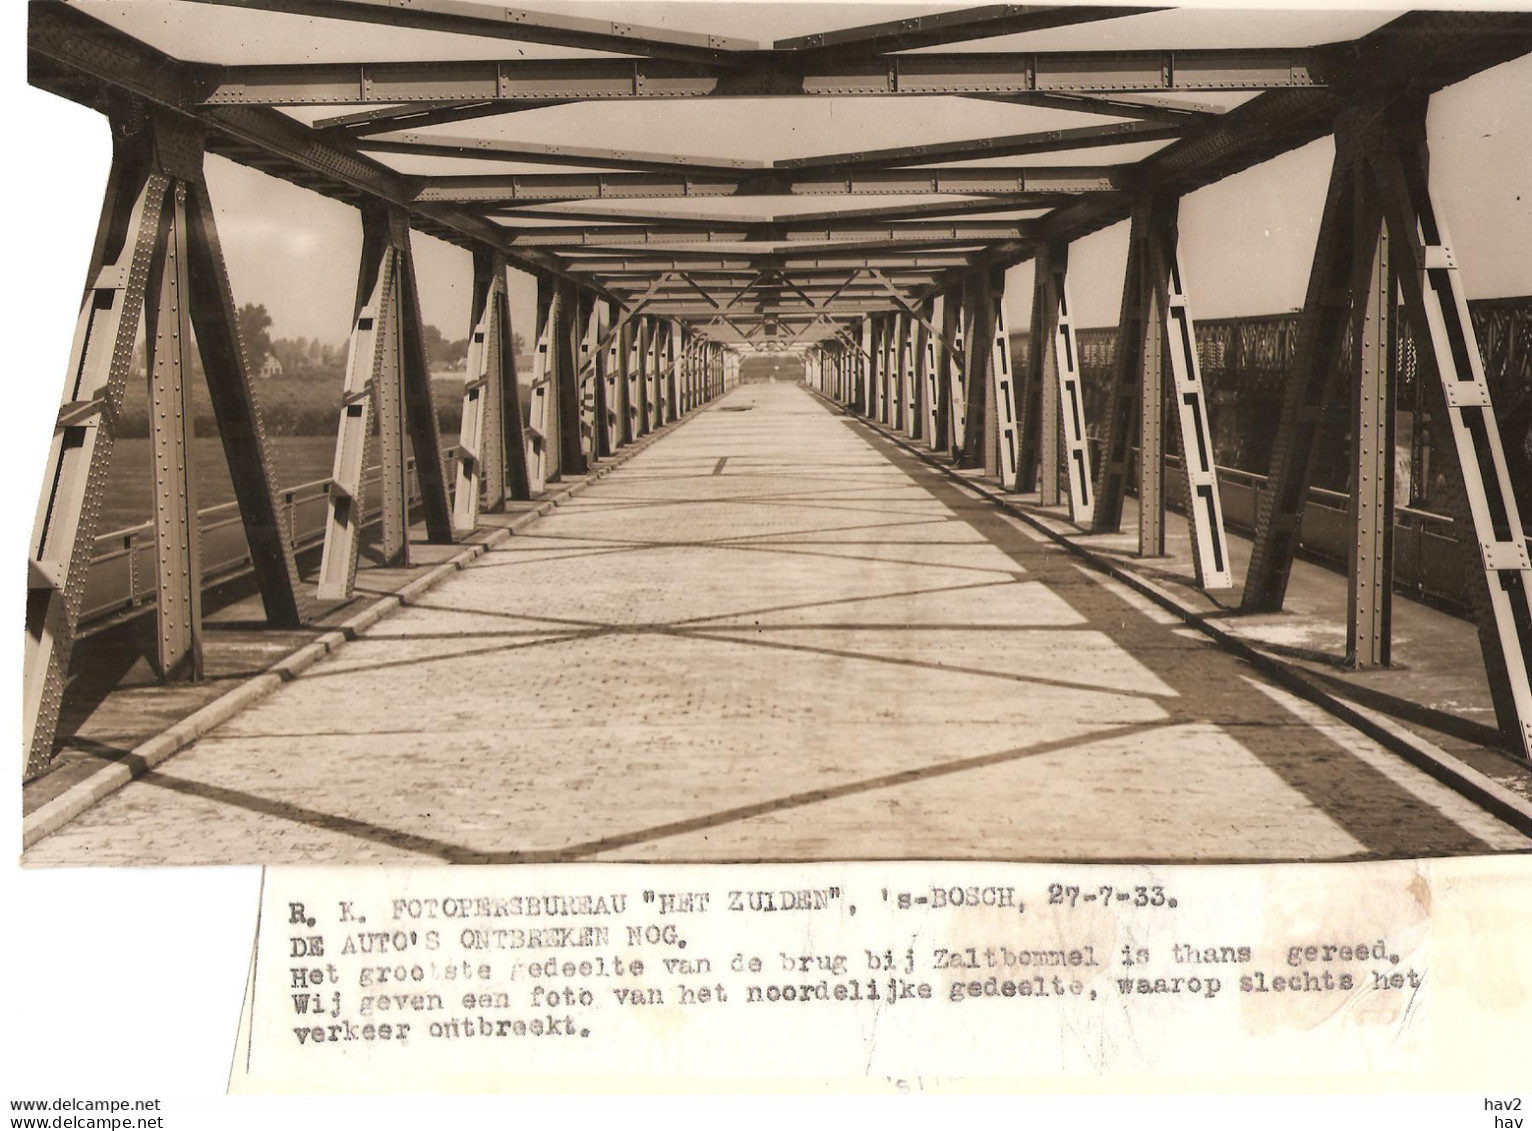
x=122, y=582
x=1427, y=559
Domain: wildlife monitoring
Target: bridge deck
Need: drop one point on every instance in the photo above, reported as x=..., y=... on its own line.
x=771, y=636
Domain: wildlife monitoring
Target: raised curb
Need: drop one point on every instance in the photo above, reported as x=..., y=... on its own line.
x=55, y=814
x=1514, y=810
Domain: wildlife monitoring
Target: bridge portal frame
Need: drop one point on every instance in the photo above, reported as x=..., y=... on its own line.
x=906, y=300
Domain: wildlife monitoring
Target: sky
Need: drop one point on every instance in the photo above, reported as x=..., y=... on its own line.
x=1246, y=241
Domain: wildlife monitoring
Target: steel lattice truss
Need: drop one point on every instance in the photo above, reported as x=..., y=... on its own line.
x=725, y=270
x=893, y=300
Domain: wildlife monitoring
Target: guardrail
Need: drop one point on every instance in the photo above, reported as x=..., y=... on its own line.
x=1427, y=559
x=122, y=582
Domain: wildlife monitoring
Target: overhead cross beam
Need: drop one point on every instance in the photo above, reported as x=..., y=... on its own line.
x=1170, y=111
x=364, y=123
x=771, y=76
x=86, y=60
x=786, y=222
x=1011, y=145
x=489, y=149
x=460, y=18
x=948, y=27
x=964, y=180
x=1419, y=53
x=605, y=266
x=627, y=235
x=413, y=143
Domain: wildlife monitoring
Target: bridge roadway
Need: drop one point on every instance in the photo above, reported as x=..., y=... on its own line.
x=775, y=636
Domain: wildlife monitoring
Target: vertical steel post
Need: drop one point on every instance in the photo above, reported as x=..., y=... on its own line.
x=365, y=358
x=1064, y=349
x=1151, y=408
x=1339, y=269
x=930, y=378
x=908, y=394
x=1003, y=380
x=1500, y=581
x=877, y=368
x=1204, y=508
x=168, y=346
x=479, y=435
x=933, y=356
x=979, y=428
x=663, y=403
x=674, y=370
x=1122, y=422
x=388, y=397
x=601, y=444
x=542, y=448
x=652, y=405
x=864, y=367
x=415, y=394
x=614, y=377
x=401, y=391
x=875, y=371
x=886, y=363
x=954, y=357
x=637, y=417
x=890, y=400
x=588, y=366
x=505, y=456
x=1041, y=416
x=686, y=358
x=64, y=531
x=499, y=380
x=1369, y=605
x=910, y=375
x=567, y=381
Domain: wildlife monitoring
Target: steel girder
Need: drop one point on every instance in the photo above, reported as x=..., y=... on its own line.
x=168, y=359
x=156, y=247
x=768, y=76
x=850, y=232
x=938, y=277
x=1380, y=221
x=1411, y=56
x=77, y=56
x=1006, y=180
x=1060, y=394
x=1370, y=565
x=478, y=433
x=978, y=450
x=491, y=461
x=1156, y=333
x=456, y=17
x=1124, y=423
x=386, y=376
x=932, y=374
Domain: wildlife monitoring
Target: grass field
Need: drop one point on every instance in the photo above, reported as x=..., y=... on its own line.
x=300, y=419
x=129, y=487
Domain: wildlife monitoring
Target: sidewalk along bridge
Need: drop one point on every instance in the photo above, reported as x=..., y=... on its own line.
x=643, y=319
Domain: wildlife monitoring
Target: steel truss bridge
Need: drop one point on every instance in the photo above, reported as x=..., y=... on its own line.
x=644, y=316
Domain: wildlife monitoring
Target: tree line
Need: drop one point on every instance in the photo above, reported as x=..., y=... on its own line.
x=311, y=357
